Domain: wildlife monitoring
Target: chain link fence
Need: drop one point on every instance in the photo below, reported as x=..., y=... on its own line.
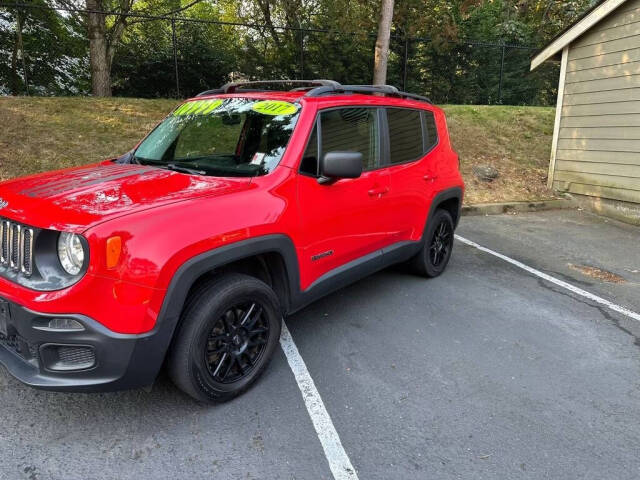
x=174, y=57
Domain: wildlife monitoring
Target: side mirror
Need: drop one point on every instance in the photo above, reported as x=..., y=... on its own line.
x=337, y=165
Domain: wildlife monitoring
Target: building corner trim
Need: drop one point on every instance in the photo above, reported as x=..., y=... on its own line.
x=559, y=105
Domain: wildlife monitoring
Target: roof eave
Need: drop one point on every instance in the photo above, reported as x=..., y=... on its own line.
x=575, y=31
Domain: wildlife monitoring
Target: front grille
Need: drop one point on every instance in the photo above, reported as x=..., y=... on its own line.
x=16, y=247
x=19, y=345
x=10, y=342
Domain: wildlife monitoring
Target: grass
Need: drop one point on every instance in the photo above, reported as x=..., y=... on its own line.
x=514, y=140
x=39, y=134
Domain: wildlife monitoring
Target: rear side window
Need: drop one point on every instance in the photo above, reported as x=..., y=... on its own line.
x=405, y=135
x=344, y=129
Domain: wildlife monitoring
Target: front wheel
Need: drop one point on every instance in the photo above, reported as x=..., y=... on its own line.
x=229, y=330
x=433, y=257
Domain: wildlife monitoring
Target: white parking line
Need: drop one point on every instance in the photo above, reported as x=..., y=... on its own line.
x=339, y=462
x=549, y=278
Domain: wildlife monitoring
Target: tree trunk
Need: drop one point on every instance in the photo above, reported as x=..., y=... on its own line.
x=20, y=51
x=382, y=43
x=15, y=80
x=98, y=51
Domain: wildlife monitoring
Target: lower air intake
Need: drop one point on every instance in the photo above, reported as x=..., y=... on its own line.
x=67, y=357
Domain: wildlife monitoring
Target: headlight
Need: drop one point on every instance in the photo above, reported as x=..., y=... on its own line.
x=70, y=252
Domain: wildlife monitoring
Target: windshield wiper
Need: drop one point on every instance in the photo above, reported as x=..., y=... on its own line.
x=178, y=168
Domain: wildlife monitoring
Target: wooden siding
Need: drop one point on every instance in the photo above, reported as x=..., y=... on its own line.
x=598, y=146
x=614, y=193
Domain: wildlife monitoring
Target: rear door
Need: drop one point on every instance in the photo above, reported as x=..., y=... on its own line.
x=412, y=168
x=349, y=219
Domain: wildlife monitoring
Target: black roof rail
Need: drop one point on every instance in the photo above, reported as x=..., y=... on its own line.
x=317, y=88
x=210, y=92
x=231, y=87
x=367, y=89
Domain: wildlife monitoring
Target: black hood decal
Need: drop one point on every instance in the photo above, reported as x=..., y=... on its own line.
x=86, y=177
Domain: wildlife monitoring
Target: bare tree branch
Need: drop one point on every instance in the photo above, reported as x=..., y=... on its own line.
x=265, y=7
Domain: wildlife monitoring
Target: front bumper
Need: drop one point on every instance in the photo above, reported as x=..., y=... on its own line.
x=92, y=359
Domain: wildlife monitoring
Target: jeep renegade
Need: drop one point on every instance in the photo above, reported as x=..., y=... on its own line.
x=241, y=207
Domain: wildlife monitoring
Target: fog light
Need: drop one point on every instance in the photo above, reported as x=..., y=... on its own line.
x=59, y=325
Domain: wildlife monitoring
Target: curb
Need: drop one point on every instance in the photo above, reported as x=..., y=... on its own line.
x=514, y=207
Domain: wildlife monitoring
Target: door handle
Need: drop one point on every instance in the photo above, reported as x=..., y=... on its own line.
x=378, y=192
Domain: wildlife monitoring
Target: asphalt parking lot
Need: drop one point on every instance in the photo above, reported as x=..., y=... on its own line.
x=487, y=372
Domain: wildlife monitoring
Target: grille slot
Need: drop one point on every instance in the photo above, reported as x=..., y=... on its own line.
x=5, y=242
x=16, y=247
x=26, y=265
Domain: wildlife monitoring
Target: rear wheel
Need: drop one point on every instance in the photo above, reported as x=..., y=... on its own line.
x=229, y=330
x=434, y=256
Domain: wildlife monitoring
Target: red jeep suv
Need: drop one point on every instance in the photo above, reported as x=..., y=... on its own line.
x=241, y=207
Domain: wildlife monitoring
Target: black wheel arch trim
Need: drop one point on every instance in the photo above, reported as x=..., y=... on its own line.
x=440, y=198
x=199, y=265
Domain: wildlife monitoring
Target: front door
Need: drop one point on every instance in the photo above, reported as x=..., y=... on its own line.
x=349, y=219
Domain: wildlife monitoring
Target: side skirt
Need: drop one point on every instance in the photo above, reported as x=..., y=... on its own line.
x=353, y=271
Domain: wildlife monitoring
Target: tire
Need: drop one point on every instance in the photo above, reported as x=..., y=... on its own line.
x=229, y=329
x=433, y=257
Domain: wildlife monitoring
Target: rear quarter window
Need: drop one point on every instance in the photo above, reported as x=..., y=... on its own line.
x=430, y=131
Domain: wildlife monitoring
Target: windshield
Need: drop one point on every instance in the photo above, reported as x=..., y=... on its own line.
x=233, y=137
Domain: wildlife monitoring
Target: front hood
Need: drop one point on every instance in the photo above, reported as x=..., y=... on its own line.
x=77, y=198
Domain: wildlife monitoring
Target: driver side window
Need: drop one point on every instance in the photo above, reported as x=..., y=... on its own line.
x=344, y=129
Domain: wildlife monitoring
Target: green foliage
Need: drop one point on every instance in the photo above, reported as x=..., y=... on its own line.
x=454, y=52
x=53, y=53
x=144, y=63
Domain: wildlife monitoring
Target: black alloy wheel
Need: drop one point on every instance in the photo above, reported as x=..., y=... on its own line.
x=236, y=342
x=441, y=244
